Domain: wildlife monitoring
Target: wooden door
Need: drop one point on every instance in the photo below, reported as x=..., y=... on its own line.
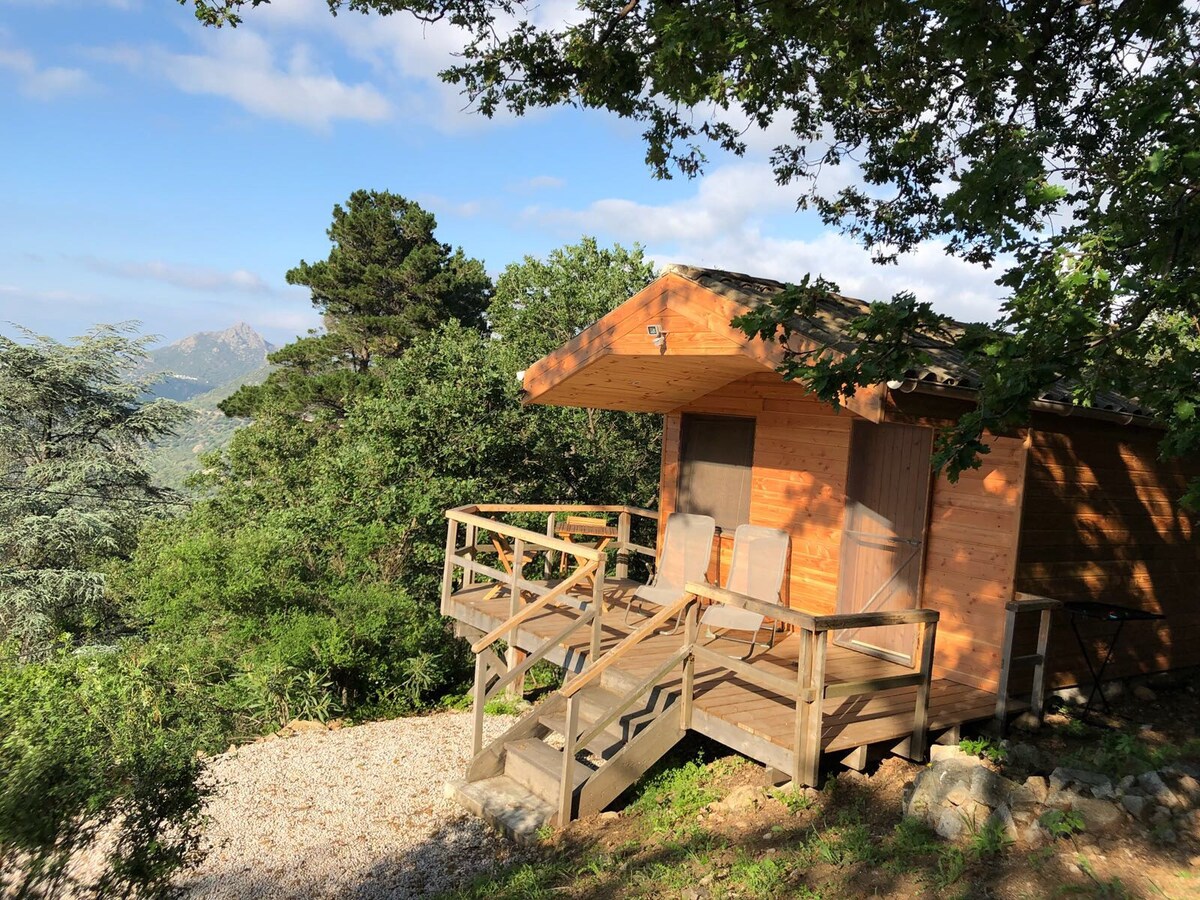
x=883, y=541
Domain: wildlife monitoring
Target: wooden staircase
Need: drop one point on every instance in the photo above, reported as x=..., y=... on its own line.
x=516, y=782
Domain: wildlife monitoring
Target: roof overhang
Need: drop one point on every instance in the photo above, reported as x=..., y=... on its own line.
x=616, y=364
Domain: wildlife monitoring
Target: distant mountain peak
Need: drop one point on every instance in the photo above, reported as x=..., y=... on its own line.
x=241, y=338
x=207, y=360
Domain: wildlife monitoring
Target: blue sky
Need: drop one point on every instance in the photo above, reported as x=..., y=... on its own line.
x=159, y=171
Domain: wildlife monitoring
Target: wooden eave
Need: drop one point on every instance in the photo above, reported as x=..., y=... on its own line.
x=615, y=364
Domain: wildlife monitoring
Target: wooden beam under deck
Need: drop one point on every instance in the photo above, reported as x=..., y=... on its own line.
x=747, y=717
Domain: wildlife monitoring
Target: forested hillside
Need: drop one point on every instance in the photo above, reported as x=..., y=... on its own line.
x=305, y=582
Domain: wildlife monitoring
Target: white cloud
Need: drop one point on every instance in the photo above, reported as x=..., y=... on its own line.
x=42, y=83
x=192, y=278
x=241, y=66
x=732, y=222
x=537, y=183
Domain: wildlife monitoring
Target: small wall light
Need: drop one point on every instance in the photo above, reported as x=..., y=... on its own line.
x=658, y=334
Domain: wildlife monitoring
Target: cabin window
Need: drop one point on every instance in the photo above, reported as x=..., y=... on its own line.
x=716, y=458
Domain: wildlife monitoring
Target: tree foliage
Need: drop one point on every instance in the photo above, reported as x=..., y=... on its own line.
x=387, y=281
x=97, y=752
x=74, y=489
x=308, y=582
x=1059, y=141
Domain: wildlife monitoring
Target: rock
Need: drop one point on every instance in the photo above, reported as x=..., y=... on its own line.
x=1038, y=787
x=950, y=824
x=1143, y=693
x=1136, y=806
x=1112, y=690
x=1002, y=818
x=1033, y=835
x=1072, y=696
x=989, y=789
x=959, y=794
x=1023, y=756
x=742, y=798
x=1103, y=791
x=939, y=752
x=1165, y=835
x=1153, y=786
x=1098, y=817
x=1063, y=799
x=609, y=815
x=1160, y=816
x=1188, y=786
x=1027, y=721
x=299, y=726
x=1126, y=784
x=930, y=789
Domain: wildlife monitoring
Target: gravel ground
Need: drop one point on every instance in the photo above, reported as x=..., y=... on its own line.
x=359, y=812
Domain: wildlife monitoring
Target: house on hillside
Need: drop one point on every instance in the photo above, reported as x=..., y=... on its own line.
x=903, y=605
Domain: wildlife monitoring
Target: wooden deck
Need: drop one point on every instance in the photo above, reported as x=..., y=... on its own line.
x=749, y=718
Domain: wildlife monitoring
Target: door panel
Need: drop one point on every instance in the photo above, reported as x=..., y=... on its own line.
x=887, y=503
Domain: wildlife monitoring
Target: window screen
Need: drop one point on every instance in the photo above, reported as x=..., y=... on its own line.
x=716, y=459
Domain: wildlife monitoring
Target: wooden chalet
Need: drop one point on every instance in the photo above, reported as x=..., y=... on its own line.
x=904, y=607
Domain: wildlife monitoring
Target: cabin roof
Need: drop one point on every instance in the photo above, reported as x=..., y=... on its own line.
x=947, y=365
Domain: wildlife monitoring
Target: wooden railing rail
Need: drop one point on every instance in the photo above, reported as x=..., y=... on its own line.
x=505, y=629
x=1024, y=603
x=649, y=627
x=483, y=692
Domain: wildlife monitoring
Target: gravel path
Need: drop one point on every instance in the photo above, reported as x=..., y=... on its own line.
x=359, y=812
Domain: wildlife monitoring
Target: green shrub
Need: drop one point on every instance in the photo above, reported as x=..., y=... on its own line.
x=97, y=750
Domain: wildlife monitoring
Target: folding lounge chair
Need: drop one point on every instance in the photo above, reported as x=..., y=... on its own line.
x=687, y=548
x=759, y=562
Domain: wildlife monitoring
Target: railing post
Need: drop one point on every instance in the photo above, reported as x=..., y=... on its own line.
x=1037, y=701
x=480, y=702
x=920, y=735
x=806, y=766
x=515, y=655
x=687, y=697
x=448, y=565
x=469, y=570
x=1006, y=652
x=623, y=525
x=551, y=521
x=598, y=606
x=566, y=794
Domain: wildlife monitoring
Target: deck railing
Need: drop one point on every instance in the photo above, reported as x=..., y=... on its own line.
x=808, y=691
x=1044, y=607
x=515, y=549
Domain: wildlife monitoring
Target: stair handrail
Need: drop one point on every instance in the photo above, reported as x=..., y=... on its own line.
x=651, y=625
x=1024, y=603
x=511, y=623
x=573, y=738
x=482, y=693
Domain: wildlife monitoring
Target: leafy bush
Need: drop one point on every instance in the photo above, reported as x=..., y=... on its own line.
x=97, y=752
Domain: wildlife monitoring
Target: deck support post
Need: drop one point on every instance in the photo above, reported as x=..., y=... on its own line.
x=688, y=686
x=810, y=702
x=566, y=788
x=481, y=667
x=623, y=523
x=598, y=606
x=448, y=565
x=1006, y=652
x=551, y=523
x=1038, y=699
x=920, y=735
x=515, y=655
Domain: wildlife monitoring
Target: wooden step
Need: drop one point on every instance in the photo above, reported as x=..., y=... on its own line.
x=537, y=766
x=604, y=745
x=504, y=804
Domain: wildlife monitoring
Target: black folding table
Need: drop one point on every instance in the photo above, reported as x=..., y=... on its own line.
x=1104, y=612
